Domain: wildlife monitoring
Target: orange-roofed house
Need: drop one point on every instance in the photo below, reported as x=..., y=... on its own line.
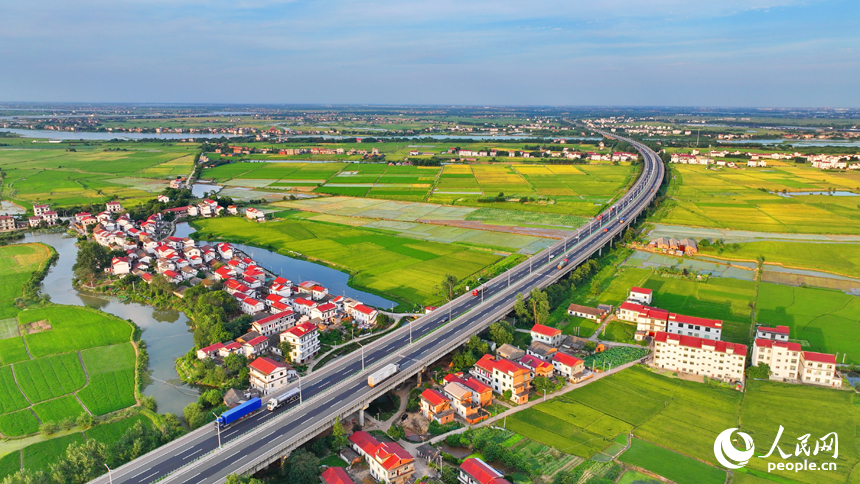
x=475, y=471
x=698, y=356
x=502, y=375
x=436, y=406
x=388, y=461
x=549, y=336
x=336, y=475
x=463, y=402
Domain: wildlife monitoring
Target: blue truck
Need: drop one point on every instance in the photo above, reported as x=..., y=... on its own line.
x=238, y=413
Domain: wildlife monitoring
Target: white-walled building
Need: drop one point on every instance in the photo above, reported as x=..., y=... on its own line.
x=549, y=336
x=268, y=375
x=305, y=341
x=640, y=295
x=689, y=354
x=779, y=333
x=693, y=326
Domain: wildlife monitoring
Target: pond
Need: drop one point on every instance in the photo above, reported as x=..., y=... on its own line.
x=165, y=331
x=298, y=270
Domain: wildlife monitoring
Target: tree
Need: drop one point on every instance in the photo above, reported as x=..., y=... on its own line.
x=590, y=346
x=540, y=305
x=212, y=398
x=235, y=362
x=301, y=467
x=91, y=259
x=194, y=415
x=396, y=432
x=541, y=383
x=477, y=346
x=524, y=315
x=760, y=372
x=338, y=436
x=507, y=394
x=447, y=286
x=286, y=349
x=136, y=441
x=235, y=479
x=83, y=462
x=501, y=333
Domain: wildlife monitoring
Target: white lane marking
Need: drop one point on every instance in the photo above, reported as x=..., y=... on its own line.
x=195, y=452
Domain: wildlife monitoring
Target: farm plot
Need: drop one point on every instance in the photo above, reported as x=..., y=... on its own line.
x=10, y=463
x=824, y=320
x=745, y=200
x=369, y=255
x=555, y=432
x=58, y=409
x=11, y=398
x=19, y=423
x=111, y=372
x=74, y=328
x=111, y=432
x=39, y=457
x=671, y=465
x=50, y=377
x=17, y=264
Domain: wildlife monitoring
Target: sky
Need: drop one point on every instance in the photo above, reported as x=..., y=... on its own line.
x=736, y=53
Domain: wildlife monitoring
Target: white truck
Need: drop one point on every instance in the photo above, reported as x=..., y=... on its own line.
x=382, y=373
x=288, y=396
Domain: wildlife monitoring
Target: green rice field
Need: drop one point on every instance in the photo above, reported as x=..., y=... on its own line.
x=675, y=423
x=378, y=260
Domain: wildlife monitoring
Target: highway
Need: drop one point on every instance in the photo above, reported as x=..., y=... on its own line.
x=340, y=388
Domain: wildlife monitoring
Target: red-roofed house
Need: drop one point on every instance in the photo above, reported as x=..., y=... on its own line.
x=465, y=403
x=303, y=306
x=318, y=292
x=779, y=333
x=647, y=319
x=363, y=315
x=699, y=356
x=120, y=265
x=388, y=461
x=436, y=406
x=783, y=358
x=537, y=365
x=255, y=346
x=475, y=471
x=233, y=347
x=209, y=351
x=324, y=311
x=305, y=341
x=546, y=335
x=501, y=375
x=268, y=375
x=336, y=475
x=172, y=276
x=819, y=369
x=481, y=393
x=693, y=326
x=274, y=324
x=568, y=366
x=251, y=306
x=640, y=295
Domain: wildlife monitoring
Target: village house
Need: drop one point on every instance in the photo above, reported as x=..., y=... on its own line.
x=120, y=266
x=39, y=210
x=509, y=352
x=502, y=375
x=699, y=356
x=233, y=347
x=779, y=333
x=388, y=461
x=252, y=213
x=693, y=326
x=640, y=295
x=114, y=207
x=363, y=315
x=304, y=339
x=7, y=223
x=587, y=312
x=546, y=335
x=209, y=351
x=647, y=319
x=475, y=471
x=537, y=366
x=303, y=306
x=336, y=475
x=567, y=366
x=163, y=198
x=465, y=403
x=255, y=345
x=268, y=375
x=436, y=407
x=251, y=306
x=789, y=363
x=540, y=350
x=274, y=324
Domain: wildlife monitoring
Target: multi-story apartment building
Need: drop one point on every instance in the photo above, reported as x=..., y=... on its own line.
x=388, y=461
x=475, y=471
x=819, y=369
x=501, y=375
x=783, y=358
x=305, y=341
x=699, y=356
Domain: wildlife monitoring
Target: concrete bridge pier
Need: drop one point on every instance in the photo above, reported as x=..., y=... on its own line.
x=361, y=415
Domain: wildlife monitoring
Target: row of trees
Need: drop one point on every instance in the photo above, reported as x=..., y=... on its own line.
x=85, y=461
